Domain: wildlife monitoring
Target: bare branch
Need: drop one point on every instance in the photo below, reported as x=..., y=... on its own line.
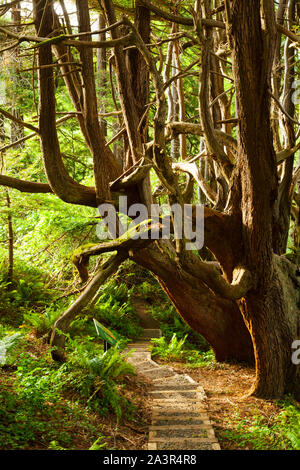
x=24, y=186
x=193, y=170
x=34, y=134
x=19, y=121
x=188, y=21
x=283, y=110
x=174, y=128
x=122, y=41
x=294, y=37
x=133, y=175
x=286, y=153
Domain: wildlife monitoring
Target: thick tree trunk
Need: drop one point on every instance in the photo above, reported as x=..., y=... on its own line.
x=218, y=320
x=271, y=315
x=272, y=324
x=10, y=239
x=138, y=69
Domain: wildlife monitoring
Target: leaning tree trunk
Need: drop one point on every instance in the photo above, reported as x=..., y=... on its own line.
x=218, y=320
x=62, y=324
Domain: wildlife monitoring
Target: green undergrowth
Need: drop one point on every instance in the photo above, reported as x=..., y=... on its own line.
x=281, y=431
x=48, y=405
x=178, y=351
x=114, y=308
x=44, y=404
x=26, y=292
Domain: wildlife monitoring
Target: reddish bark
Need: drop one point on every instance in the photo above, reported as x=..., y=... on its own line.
x=265, y=307
x=218, y=320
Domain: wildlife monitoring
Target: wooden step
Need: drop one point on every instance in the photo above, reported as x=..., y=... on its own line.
x=150, y=333
x=158, y=373
x=179, y=418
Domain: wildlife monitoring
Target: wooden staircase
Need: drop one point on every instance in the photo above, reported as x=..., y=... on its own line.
x=179, y=417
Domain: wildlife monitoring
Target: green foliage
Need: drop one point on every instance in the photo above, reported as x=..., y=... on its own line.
x=27, y=291
x=179, y=350
x=40, y=401
x=46, y=231
x=114, y=309
x=172, y=350
x=43, y=322
x=27, y=419
x=6, y=344
x=196, y=358
x=282, y=432
x=26, y=404
x=96, y=377
x=145, y=289
x=98, y=444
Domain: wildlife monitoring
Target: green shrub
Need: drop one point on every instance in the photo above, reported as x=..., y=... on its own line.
x=114, y=309
x=99, y=444
x=97, y=378
x=178, y=350
x=281, y=432
x=28, y=291
x=196, y=358
x=33, y=400
x=6, y=344
x=168, y=350
x=41, y=322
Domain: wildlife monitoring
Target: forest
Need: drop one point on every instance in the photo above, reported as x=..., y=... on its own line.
x=149, y=182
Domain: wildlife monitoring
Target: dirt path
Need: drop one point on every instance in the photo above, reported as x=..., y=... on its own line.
x=179, y=410
x=141, y=308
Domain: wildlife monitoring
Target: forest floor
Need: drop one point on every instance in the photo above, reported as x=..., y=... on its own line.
x=125, y=435
x=65, y=416
x=232, y=412
x=37, y=414
x=239, y=421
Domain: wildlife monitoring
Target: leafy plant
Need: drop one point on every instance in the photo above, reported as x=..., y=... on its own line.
x=97, y=377
x=41, y=322
x=6, y=344
x=98, y=444
x=282, y=432
x=114, y=308
x=196, y=358
x=168, y=350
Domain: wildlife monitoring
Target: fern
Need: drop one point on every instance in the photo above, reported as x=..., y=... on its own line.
x=96, y=377
x=41, y=322
x=294, y=438
x=98, y=444
x=110, y=364
x=172, y=350
x=6, y=344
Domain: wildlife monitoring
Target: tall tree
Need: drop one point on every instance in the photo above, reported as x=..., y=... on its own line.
x=240, y=292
